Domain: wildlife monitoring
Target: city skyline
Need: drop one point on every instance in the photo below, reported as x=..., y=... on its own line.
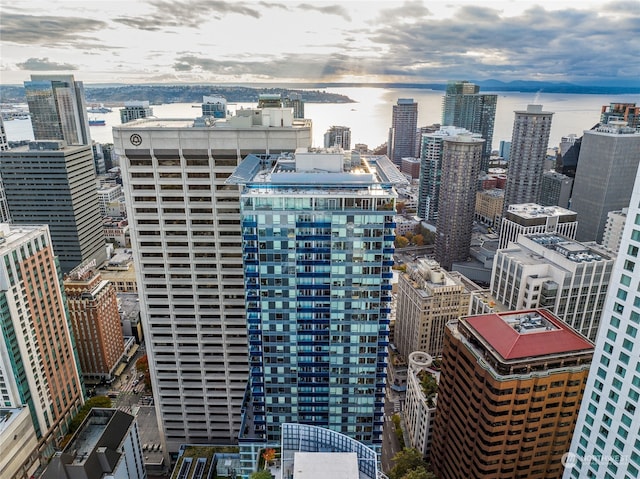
x=353, y=41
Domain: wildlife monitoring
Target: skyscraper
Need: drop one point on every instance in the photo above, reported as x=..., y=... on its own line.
x=186, y=239
x=463, y=106
x=318, y=237
x=555, y=189
x=4, y=144
x=339, y=136
x=134, y=110
x=431, y=170
x=529, y=142
x=58, y=109
x=609, y=159
x=626, y=112
x=51, y=183
x=38, y=363
x=513, y=382
x=461, y=159
x=214, y=106
x=402, y=134
x=605, y=443
x=531, y=218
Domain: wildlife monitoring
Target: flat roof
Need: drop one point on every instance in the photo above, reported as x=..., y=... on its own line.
x=534, y=210
x=320, y=465
x=527, y=334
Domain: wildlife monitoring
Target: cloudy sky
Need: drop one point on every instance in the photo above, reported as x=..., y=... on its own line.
x=144, y=41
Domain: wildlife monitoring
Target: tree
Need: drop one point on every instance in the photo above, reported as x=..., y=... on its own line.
x=264, y=474
x=418, y=240
x=405, y=461
x=419, y=473
x=400, y=205
x=142, y=365
x=401, y=242
x=268, y=455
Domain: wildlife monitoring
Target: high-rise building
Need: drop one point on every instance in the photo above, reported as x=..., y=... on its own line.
x=5, y=214
x=616, y=112
x=431, y=170
x=609, y=159
x=513, y=383
x=294, y=100
x=4, y=144
x=489, y=206
x=58, y=109
x=605, y=443
x=532, y=218
x=555, y=189
x=318, y=238
x=428, y=298
x=18, y=443
x=186, y=239
x=51, y=183
x=504, y=150
x=95, y=321
x=548, y=271
x=38, y=362
x=568, y=154
x=134, y=110
x=402, y=134
x=461, y=158
x=105, y=446
x=529, y=142
x=463, y=106
x=339, y=136
x=613, y=229
x=214, y=106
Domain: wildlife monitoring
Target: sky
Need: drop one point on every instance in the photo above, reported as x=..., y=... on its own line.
x=217, y=41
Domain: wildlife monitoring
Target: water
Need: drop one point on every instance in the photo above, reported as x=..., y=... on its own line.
x=370, y=116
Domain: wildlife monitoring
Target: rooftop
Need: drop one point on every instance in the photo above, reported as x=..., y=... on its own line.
x=533, y=248
x=527, y=334
x=534, y=210
x=320, y=465
x=7, y=416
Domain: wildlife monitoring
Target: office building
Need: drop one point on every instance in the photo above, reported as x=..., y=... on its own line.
x=504, y=150
x=58, y=109
x=4, y=144
x=214, y=106
x=18, y=443
x=38, y=362
x=48, y=182
x=95, y=322
x=410, y=167
x=294, y=100
x=605, y=443
x=609, y=159
x=318, y=251
x=613, y=229
x=548, y=271
x=489, y=206
x=5, y=214
x=555, y=189
x=513, y=383
x=461, y=158
x=568, y=154
x=529, y=142
x=105, y=446
x=427, y=299
x=107, y=195
x=186, y=239
x=339, y=136
x=421, y=131
x=431, y=170
x=420, y=404
x=529, y=218
x=134, y=110
x=463, y=106
x=628, y=113
x=402, y=134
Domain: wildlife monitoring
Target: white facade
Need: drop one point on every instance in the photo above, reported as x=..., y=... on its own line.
x=605, y=442
x=549, y=271
x=186, y=238
x=107, y=195
x=18, y=443
x=613, y=229
x=530, y=218
x=419, y=410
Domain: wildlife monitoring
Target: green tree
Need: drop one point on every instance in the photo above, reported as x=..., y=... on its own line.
x=142, y=366
x=264, y=474
x=401, y=242
x=405, y=461
x=96, y=401
x=418, y=240
x=419, y=473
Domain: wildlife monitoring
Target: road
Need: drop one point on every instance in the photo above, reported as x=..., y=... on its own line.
x=390, y=443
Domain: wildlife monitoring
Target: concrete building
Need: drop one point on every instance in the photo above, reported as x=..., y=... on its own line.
x=51, y=183
x=214, y=106
x=529, y=218
x=95, y=321
x=339, y=136
x=120, y=271
x=108, y=194
x=555, y=189
x=134, y=110
x=605, y=442
x=420, y=405
x=428, y=298
x=116, y=232
x=4, y=143
x=431, y=170
x=489, y=206
x=294, y=100
x=505, y=150
x=18, y=443
x=106, y=445
x=186, y=238
x=628, y=113
x=410, y=167
x=568, y=154
x=402, y=134
x=38, y=362
x=553, y=272
x=609, y=159
x=318, y=251
x=58, y=109
x=613, y=229
x=513, y=383
x=461, y=158
x=529, y=142
x=464, y=107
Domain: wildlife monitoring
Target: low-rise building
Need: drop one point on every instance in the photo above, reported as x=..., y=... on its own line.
x=420, y=405
x=527, y=218
x=489, y=205
x=18, y=444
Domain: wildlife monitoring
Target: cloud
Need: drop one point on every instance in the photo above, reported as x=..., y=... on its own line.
x=414, y=9
x=47, y=29
x=328, y=10
x=44, y=64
